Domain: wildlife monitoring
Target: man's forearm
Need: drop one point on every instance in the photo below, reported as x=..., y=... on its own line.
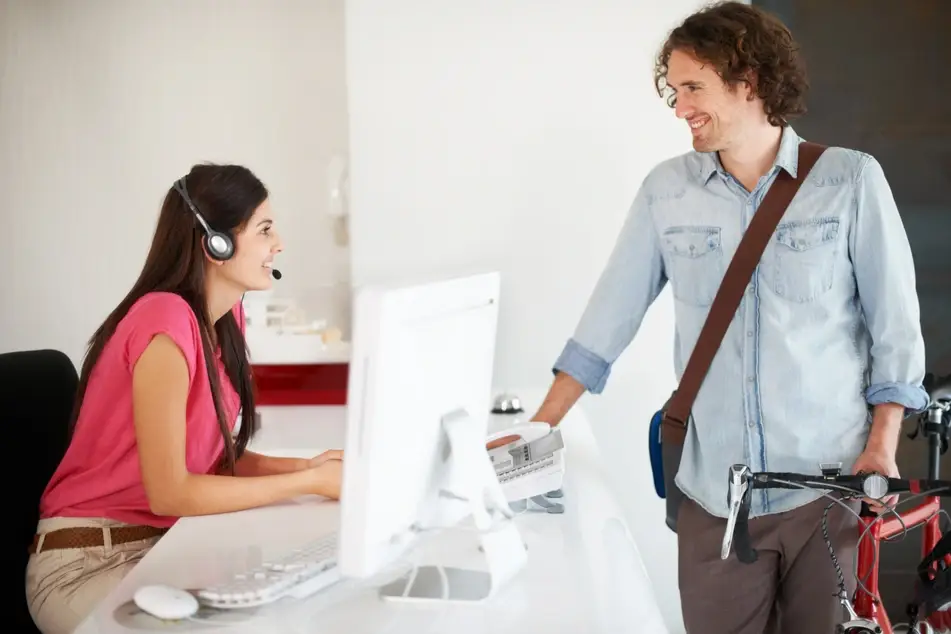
x=562, y=396
x=254, y=464
x=886, y=428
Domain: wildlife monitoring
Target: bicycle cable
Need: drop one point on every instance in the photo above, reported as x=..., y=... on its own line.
x=843, y=591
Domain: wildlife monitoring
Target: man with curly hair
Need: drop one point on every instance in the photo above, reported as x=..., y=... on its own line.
x=824, y=356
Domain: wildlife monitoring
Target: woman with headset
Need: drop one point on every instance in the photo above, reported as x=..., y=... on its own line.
x=156, y=433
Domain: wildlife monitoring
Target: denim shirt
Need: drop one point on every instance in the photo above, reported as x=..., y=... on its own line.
x=829, y=325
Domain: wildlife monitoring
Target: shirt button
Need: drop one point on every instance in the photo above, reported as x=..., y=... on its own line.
x=749, y=290
x=750, y=379
x=751, y=424
x=749, y=333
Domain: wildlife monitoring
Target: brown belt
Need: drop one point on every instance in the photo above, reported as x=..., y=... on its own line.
x=85, y=537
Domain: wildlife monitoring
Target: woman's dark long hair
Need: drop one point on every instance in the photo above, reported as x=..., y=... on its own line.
x=226, y=196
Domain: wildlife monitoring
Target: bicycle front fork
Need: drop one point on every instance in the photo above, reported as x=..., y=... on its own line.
x=855, y=624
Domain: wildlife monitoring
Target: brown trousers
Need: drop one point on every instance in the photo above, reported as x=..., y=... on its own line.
x=790, y=589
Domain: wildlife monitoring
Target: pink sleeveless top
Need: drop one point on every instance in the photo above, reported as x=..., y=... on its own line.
x=99, y=475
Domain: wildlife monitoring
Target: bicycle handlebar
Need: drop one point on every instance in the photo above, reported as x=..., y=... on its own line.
x=742, y=482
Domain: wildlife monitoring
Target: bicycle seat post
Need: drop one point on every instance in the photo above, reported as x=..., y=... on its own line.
x=936, y=420
x=936, y=430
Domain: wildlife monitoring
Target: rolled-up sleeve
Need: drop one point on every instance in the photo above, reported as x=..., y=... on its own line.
x=632, y=279
x=885, y=276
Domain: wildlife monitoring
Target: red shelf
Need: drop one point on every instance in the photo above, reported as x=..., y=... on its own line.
x=323, y=384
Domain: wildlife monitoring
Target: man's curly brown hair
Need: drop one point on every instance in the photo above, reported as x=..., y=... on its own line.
x=743, y=44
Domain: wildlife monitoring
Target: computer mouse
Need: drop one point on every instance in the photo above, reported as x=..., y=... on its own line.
x=165, y=602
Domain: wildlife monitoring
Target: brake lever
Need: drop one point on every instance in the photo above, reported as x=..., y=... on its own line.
x=744, y=543
x=738, y=499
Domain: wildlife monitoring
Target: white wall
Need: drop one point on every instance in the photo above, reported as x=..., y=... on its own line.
x=104, y=103
x=513, y=135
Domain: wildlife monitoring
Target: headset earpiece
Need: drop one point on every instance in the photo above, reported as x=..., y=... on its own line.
x=218, y=245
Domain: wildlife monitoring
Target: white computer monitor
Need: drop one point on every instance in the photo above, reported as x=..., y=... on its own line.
x=418, y=404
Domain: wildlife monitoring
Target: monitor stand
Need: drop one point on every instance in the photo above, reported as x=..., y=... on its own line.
x=471, y=477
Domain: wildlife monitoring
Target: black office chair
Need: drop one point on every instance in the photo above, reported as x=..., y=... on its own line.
x=37, y=388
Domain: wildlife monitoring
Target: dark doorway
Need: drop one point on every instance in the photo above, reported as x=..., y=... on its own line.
x=880, y=83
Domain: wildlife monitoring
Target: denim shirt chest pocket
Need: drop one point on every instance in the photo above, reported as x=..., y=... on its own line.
x=693, y=257
x=801, y=266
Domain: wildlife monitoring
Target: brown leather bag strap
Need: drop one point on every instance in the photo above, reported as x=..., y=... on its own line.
x=728, y=296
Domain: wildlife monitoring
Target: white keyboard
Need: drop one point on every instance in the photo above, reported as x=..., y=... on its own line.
x=298, y=574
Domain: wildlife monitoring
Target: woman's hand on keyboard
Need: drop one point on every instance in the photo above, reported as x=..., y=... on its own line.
x=333, y=454
x=327, y=477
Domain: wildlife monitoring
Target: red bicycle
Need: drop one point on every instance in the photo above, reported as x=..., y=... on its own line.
x=930, y=611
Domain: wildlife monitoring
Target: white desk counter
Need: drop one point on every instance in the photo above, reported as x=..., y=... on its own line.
x=584, y=572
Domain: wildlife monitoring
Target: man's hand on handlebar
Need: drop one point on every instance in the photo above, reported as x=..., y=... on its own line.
x=741, y=482
x=874, y=460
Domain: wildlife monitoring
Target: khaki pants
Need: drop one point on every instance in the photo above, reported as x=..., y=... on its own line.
x=790, y=589
x=64, y=586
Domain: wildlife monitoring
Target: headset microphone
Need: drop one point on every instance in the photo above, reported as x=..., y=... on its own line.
x=276, y=274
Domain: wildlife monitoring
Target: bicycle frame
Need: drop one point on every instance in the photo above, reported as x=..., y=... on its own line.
x=867, y=604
